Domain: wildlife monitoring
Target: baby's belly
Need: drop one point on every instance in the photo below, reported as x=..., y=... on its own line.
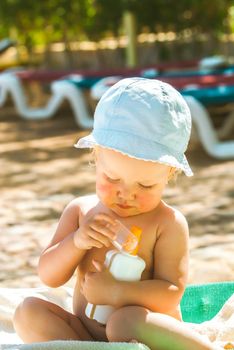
x=96, y=330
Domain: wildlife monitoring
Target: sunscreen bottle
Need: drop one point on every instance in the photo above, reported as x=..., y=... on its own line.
x=124, y=265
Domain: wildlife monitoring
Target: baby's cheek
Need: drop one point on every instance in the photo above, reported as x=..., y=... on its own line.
x=147, y=201
x=105, y=189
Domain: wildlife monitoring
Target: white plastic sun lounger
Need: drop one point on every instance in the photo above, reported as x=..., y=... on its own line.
x=207, y=134
x=65, y=89
x=61, y=90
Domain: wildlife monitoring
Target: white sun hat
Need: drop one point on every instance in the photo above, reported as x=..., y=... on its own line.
x=145, y=119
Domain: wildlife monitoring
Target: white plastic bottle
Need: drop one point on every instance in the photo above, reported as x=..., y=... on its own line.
x=124, y=265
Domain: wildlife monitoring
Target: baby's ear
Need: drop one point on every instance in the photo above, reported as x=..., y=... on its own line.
x=93, y=161
x=171, y=173
x=95, y=153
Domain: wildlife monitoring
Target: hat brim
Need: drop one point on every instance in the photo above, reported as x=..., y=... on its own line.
x=159, y=154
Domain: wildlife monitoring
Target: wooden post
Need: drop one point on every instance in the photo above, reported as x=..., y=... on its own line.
x=130, y=31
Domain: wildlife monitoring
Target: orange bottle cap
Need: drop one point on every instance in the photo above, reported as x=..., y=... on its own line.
x=136, y=231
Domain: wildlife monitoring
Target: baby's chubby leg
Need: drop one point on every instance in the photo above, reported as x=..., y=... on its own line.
x=37, y=320
x=158, y=331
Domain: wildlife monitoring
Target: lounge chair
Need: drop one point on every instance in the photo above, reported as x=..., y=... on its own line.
x=60, y=90
x=70, y=88
x=207, y=134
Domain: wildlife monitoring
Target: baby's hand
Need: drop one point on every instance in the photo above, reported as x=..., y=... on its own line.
x=96, y=232
x=100, y=287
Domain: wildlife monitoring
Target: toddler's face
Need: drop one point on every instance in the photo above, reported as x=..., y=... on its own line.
x=129, y=186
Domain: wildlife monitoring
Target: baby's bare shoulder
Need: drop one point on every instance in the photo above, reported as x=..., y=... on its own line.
x=172, y=220
x=83, y=203
x=172, y=247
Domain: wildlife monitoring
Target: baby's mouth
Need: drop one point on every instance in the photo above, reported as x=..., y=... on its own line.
x=124, y=206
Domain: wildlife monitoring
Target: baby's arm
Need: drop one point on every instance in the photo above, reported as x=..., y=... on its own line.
x=164, y=292
x=70, y=243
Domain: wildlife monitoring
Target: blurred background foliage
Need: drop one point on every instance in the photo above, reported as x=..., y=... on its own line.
x=33, y=23
x=38, y=22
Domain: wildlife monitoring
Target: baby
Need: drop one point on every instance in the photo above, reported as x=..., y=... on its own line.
x=141, y=131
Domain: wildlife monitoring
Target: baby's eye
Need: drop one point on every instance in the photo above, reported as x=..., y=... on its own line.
x=146, y=187
x=111, y=179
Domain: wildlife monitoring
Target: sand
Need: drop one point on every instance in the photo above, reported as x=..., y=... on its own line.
x=41, y=172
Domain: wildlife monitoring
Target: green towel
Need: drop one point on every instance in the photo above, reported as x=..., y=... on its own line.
x=202, y=302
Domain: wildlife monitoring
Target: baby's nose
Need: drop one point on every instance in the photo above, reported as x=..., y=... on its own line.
x=126, y=194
